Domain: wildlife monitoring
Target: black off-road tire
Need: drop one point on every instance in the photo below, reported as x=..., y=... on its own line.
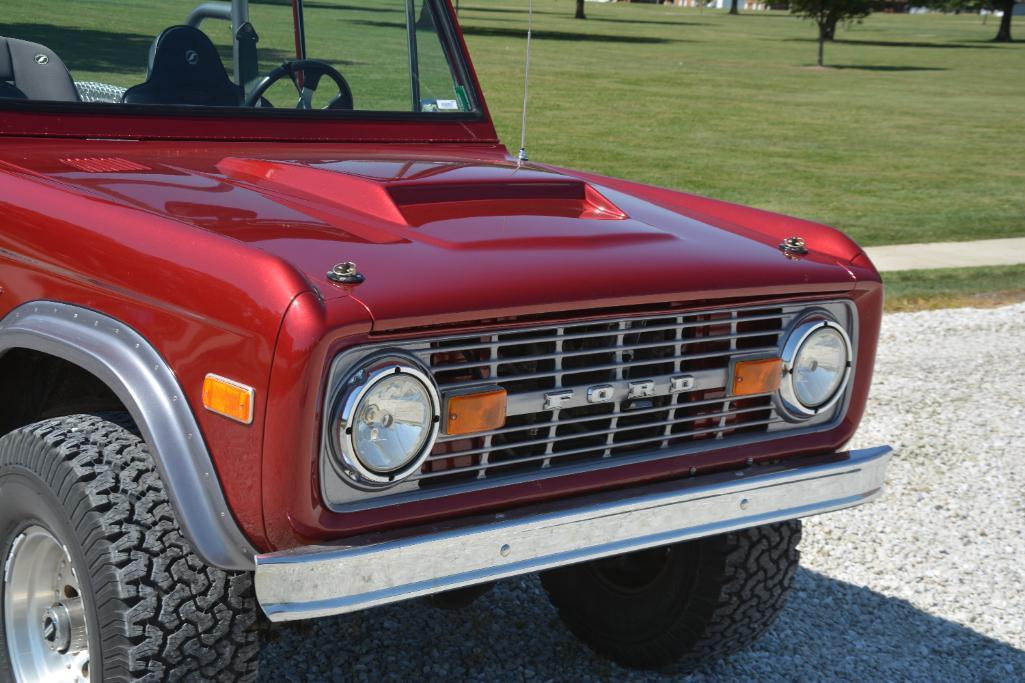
x=154, y=610
x=696, y=601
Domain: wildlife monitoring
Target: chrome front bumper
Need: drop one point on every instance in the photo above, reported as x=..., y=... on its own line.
x=377, y=569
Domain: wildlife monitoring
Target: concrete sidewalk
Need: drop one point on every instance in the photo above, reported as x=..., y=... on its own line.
x=1001, y=252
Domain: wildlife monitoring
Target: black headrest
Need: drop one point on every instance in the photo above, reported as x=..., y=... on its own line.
x=35, y=71
x=9, y=91
x=185, y=69
x=6, y=67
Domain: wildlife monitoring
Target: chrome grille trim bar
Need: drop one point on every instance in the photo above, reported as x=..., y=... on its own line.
x=526, y=402
x=602, y=416
x=605, y=417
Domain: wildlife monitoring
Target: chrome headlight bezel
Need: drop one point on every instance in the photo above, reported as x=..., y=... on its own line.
x=346, y=404
x=791, y=405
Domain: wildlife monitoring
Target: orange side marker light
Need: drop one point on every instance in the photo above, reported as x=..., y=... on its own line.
x=479, y=411
x=228, y=398
x=760, y=376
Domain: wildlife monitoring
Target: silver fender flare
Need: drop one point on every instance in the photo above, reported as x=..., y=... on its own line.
x=129, y=365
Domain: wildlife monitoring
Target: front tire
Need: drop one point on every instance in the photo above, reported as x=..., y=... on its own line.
x=673, y=608
x=85, y=489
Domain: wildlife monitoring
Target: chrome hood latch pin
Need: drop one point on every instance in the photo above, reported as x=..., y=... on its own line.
x=793, y=246
x=345, y=273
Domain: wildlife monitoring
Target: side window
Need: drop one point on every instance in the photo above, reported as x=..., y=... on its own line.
x=438, y=89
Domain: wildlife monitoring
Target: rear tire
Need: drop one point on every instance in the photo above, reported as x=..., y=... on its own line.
x=673, y=608
x=152, y=609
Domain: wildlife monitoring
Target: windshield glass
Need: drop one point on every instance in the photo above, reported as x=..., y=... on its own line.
x=262, y=55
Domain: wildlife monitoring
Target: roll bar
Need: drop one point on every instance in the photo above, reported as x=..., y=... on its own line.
x=209, y=10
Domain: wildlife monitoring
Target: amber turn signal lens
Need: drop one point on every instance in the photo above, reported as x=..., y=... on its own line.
x=757, y=376
x=228, y=398
x=476, y=412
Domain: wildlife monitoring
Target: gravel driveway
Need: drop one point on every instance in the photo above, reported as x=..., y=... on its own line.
x=926, y=584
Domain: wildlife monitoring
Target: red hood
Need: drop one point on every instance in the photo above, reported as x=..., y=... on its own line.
x=452, y=233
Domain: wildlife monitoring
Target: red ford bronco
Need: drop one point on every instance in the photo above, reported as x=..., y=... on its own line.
x=286, y=330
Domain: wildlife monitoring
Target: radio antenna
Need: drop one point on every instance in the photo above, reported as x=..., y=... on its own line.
x=522, y=156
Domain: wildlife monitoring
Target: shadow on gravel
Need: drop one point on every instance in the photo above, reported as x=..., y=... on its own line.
x=830, y=629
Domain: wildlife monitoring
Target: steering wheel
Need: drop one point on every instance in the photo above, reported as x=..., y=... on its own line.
x=312, y=71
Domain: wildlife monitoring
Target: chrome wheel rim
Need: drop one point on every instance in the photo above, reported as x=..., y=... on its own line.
x=44, y=616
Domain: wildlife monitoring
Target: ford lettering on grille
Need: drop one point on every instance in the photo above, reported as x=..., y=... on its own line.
x=607, y=392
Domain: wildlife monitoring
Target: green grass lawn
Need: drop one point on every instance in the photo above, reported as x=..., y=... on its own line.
x=915, y=133
x=912, y=290
x=920, y=136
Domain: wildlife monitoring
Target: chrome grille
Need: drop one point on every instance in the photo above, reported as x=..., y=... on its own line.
x=532, y=362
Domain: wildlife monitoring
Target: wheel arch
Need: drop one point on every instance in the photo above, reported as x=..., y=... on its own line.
x=132, y=369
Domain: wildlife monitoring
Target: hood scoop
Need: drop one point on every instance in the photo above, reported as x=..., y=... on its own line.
x=437, y=196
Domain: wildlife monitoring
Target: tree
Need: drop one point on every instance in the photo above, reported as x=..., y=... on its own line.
x=733, y=7
x=1006, y=6
x=1004, y=32
x=580, y=10
x=828, y=13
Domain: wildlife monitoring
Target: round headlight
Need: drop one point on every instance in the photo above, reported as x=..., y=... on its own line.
x=817, y=364
x=387, y=421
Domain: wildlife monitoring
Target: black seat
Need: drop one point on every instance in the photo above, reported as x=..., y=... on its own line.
x=185, y=69
x=32, y=71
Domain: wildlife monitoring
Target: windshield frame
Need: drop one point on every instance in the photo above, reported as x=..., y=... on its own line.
x=143, y=121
